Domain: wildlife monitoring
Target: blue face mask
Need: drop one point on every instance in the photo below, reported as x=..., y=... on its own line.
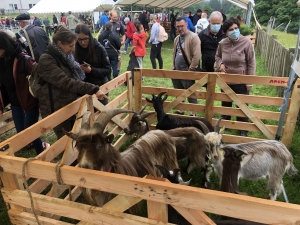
x=234, y=34
x=215, y=28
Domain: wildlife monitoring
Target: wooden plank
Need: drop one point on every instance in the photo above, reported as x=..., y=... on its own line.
x=18, y=217
x=74, y=210
x=233, y=139
x=210, y=97
x=5, y=116
x=121, y=203
x=8, y=126
x=292, y=115
x=232, y=205
x=223, y=110
x=26, y=136
x=120, y=141
x=130, y=90
x=39, y=185
x=113, y=84
x=228, y=78
x=54, y=150
x=117, y=101
x=250, y=99
x=244, y=108
x=138, y=89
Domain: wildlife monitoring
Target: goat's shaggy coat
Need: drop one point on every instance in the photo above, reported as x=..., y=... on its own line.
x=97, y=153
x=264, y=160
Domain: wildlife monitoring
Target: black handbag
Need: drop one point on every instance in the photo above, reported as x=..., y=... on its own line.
x=198, y=69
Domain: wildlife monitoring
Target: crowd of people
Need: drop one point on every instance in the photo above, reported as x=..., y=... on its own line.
x=74, y=63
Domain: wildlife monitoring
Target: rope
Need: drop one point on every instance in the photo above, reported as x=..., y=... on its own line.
x=28, y=191
x=59, y=179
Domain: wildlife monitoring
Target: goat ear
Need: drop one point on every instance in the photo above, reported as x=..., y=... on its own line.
x=110, y=138
x=246, y=158
x=164, y=171
x=222, y=130
x=227, y=150
x=70, y=134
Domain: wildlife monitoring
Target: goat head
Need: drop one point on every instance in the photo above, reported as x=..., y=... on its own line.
x=174, y=176
x=158, y=98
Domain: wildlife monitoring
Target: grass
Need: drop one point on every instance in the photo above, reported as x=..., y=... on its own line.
x=287, y=40
x=252, y=188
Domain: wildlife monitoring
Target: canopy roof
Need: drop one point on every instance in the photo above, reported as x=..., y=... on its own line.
x=180, y=4
x=58, y=6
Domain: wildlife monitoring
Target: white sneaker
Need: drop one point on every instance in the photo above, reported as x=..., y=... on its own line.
x=45, y=145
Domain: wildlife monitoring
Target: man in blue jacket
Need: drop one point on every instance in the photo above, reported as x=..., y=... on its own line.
x=104, y=17
x=190, y=27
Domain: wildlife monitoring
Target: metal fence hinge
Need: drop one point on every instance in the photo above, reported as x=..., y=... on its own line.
x=4, y=148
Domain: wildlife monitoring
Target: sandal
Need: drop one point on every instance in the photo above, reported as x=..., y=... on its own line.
x=179, y=113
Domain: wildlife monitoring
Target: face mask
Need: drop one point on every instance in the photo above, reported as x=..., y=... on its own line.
x=234, y=34
x=215, y=28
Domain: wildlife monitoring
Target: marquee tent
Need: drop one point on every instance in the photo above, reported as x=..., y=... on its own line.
x=76, y=6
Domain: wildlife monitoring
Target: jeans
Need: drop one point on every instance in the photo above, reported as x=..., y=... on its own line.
x=128, y=41
x=25, y=119
x=172, y=33
x=114, y=65
x=48, y=30
x=156, y=54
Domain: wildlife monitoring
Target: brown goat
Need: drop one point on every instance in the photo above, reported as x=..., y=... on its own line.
x=97, y=153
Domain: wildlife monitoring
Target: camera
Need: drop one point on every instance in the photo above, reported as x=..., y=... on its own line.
x=22, y=40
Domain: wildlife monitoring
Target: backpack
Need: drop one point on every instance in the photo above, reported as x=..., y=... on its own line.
x=162, y=35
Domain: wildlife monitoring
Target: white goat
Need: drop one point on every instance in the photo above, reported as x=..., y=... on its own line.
x=262, y=160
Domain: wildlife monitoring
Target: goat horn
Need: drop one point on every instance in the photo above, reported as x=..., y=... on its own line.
x=145, y=115
x=161, y=94
x=141, y=110
x=217, y=126
x=86, y=120
x=203, y=126
x=106, y=115
x=70, y=134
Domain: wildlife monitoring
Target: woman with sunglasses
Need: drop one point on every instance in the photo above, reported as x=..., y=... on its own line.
x=92, y=57
x=63, y=78
x=236, y=56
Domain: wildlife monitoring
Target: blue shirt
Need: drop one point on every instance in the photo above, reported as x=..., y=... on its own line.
x=190, y=24
x=104, y=19
x=154, y=33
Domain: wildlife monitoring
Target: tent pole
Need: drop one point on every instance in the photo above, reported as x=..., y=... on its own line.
x=93, y=21
x=131, y=13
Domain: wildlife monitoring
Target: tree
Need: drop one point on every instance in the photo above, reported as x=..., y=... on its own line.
x=215, y=4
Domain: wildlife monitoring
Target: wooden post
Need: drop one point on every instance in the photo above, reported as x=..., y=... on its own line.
x=138, y=89
x=210, y=96
x=129, y=88
x=292, y=115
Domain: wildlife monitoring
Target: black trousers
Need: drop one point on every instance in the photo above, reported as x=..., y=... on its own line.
x=48, y=30
x=155, y=53
x=238, y=89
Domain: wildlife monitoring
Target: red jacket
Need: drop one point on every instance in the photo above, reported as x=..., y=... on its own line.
x=129, y=30
x=139, y=41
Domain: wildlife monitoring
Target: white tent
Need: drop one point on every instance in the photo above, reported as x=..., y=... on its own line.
x=76, y=6
x=180, y=4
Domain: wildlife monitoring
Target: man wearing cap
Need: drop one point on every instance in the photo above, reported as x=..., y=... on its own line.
x=71, y=21
x=38, y=38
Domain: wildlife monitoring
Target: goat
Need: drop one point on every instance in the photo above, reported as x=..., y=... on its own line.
x=259, y=160
x=97, y=153
x=138, y=124
x=168, y=122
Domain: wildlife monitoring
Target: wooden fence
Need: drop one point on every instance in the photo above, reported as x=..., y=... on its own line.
x=278, y=59
x=190, y=202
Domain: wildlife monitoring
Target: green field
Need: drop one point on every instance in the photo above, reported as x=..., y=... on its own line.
x=252, y=188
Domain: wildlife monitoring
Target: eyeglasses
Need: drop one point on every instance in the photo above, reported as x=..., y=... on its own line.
x=83, y=39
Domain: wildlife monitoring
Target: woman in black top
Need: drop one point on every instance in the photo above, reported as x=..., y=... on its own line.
x=92, y=57
x=111, y=43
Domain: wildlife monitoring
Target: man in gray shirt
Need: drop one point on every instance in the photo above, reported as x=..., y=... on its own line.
x=186, y=55
x=46, y=22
